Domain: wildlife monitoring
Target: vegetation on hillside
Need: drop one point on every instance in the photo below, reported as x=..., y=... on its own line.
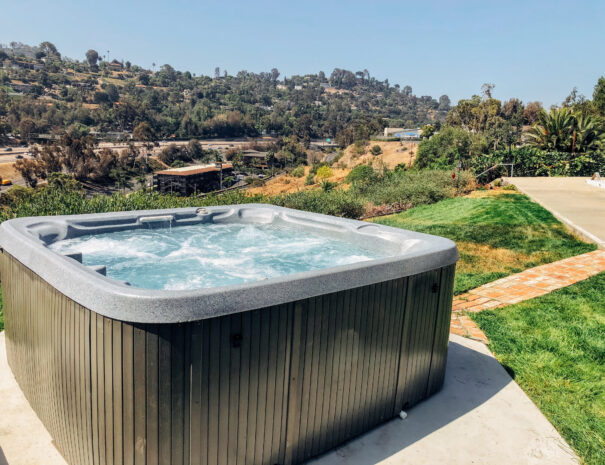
x=554, y=346
x=95, y=94
x=498, y=233
x=482, y=132
x=393, y=190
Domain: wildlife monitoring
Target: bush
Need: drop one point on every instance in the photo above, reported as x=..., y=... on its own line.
x=327, y=186
x=324, y=172
x=360, y=147
x=334, y=202
x=298, y=172
x=406, y=189
x=376, y=150
x=529, y=161
x=310, y=180
x=363, y=174
x=448, y=147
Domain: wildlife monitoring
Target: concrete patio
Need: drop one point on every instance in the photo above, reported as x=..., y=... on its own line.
x=572, y=200
x=481, y=416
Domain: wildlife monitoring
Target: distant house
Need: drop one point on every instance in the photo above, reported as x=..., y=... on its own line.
x=115, y=65
x=20, y=86
x=254, y=158
x=18, y=64
x=281, y=87
x=403, y=133
x=298, y=87
x=192, y=179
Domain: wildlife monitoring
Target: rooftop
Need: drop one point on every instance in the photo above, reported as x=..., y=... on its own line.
x=194, y=169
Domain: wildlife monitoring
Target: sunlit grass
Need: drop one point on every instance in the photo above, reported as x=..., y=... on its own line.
x=555, y=345
x=497, y=233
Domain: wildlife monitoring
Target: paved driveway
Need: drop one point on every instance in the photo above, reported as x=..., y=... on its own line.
x=573, y=201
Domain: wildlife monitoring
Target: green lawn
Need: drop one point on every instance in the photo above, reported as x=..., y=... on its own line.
x=497, y=232
x=555, y=345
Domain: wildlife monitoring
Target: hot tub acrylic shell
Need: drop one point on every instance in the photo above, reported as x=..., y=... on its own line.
x=270, y=372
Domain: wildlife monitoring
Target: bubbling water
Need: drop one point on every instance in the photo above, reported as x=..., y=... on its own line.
x=211, y=255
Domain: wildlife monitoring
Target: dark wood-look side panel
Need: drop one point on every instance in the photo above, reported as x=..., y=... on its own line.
x=276, y=385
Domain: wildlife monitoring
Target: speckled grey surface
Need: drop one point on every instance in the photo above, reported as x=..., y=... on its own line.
x=26, y=239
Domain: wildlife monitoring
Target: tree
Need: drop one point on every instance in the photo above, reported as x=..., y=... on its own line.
x=92, y=56
x=143, y=132
x=486, y=90
x=444, y=103
x=26, y=128
x=553, y=131
x=587, y=135
x=449, y=147
x=532, y=112
x=598, y=96
x=29, y=170
x=274, y=74
x=49, y=50
x=217, y=72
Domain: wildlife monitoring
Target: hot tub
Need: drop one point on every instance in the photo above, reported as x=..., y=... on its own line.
x=172, y=351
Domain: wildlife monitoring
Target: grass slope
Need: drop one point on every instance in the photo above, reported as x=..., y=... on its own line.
x=555, y=345
x=498, y=233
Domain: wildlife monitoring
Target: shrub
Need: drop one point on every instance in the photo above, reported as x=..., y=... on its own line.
x=362, y=174
x=310, y=180
x=448, y=147
x=298, y=172
x=334, y=202
x=324, y=172
x=376, y=150
x=327, y=186
x=405, y=189
x=360, y=147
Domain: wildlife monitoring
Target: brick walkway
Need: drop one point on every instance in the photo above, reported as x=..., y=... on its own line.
x=522, y=286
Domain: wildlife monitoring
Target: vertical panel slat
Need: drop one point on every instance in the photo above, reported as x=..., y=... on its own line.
x=292, y=432
x=223, y=366
x=177, y=382
x=140, y=365
x=164, y=394
x=128, y=394
x=271, y=347
x=118, y=419
x=235, y=332
x=151, y=378
x=214, y=412
x=196, y=393
x=243, y=406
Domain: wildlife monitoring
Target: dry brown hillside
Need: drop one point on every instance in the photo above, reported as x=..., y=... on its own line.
x=393, y=153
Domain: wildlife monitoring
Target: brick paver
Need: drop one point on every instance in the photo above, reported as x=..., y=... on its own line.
x=522, y=286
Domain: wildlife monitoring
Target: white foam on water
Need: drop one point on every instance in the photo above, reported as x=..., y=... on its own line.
x=211, y=255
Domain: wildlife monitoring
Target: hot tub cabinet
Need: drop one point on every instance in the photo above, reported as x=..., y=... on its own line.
x=270, y=372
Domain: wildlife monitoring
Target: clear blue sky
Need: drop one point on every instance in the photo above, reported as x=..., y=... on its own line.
x=534, y=50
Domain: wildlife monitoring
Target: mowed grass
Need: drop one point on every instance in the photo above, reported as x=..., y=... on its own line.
x=555, y=344
x=498, y=233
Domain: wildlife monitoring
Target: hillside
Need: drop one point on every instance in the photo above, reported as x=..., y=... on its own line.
x=42, y=92
x=393, y=154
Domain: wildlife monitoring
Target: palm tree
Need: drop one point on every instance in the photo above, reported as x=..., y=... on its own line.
x=553, y=131
x=586, y=135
